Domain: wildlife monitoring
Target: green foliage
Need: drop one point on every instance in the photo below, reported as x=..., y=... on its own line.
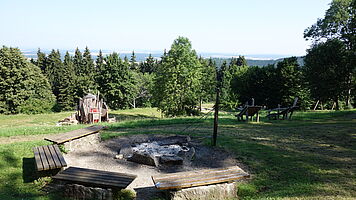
x=148, y=66
x=66, y=98
x=339, y=23
x=116, y=82
x=290, y=82
x=133, y=63
x=178, y=80
x=125, y=194
x=228, y=99
x=84, y=70
x=23, y=88
x=271, y=85
x=143, y=88
x=208, y=80
x=327, y=70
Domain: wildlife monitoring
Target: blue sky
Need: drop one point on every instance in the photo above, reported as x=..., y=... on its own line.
x=220, y=26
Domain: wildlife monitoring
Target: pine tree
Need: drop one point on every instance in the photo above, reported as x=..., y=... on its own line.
x=149, y=65
x=41, y=60
x=53, y=70
x=241, y=61
x=66, y=99
x=133, y=63
x=84, y=69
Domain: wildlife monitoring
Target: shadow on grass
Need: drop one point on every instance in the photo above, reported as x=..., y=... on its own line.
x=29, y=172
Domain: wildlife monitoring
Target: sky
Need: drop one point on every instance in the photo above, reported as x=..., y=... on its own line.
x=239, y=27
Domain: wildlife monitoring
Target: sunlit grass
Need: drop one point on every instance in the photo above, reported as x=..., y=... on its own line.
x=312, y=156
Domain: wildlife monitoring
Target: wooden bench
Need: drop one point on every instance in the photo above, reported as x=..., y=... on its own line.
x=72, y=135
x=48, y=157
x=95, y=178
x=198, y=178
x=249, y=111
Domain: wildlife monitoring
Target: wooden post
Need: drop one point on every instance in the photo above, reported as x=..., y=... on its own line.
x=216, y=116
x=316, y=105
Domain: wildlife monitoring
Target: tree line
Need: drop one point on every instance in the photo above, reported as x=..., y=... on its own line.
x=180, y=80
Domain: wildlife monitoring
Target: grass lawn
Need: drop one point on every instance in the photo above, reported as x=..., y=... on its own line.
x=312, y=156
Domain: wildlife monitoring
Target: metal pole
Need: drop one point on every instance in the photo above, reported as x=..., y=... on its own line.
x=216, y=116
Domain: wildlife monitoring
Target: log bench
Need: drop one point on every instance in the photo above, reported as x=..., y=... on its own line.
x=188, y=179
x=95, y=178
x=72, y=135
x=48, y=157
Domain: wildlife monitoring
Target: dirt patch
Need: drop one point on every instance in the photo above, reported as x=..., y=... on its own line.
x=102, y=157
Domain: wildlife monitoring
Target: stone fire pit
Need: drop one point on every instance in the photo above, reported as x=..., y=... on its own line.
x=170, y=151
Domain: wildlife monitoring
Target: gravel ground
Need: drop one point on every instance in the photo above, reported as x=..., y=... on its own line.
x=101, y=156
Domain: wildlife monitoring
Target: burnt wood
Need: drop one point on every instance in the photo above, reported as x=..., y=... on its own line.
x=198, y=178
x=48, y=157
x=96, y=178
x=72, y=135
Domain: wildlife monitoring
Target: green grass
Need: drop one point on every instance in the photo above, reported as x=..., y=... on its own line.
x=312, y=156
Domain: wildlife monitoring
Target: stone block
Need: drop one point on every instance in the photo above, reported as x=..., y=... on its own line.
x=209, y=192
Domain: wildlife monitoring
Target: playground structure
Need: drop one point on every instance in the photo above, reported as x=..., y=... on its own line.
x=91, y=109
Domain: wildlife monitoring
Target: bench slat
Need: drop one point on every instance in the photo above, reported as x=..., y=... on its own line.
x=43, y=158
x=198, y=178
x=54, y=155
x=49, y=157
x=95, y=177
x=60, y=156
x=76, y=170
x=39, y=164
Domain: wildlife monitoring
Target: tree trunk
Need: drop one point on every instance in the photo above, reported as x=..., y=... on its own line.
x=348, y=97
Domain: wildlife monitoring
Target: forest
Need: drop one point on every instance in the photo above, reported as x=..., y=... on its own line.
x=181, y=80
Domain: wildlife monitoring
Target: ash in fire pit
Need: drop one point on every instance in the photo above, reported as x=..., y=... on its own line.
x=171, y=151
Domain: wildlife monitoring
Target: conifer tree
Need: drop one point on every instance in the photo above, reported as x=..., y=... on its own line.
x=84, y=68
x=133, y=63
x=41, y=60
x=53, y=70
x=66, y=99
x=149, y=65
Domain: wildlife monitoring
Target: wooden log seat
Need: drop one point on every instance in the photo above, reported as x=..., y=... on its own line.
x=95, y=178
x=188, y=179
x=72, y=135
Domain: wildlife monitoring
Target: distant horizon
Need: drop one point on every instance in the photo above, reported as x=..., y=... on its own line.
x=26, y=51
x=253, y=27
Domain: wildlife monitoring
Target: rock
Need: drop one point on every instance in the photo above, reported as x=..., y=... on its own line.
x=119, y=156
x=80, y=192
x=126, y=151
x=171, y=160
x=217, y=191
x=145, y=159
